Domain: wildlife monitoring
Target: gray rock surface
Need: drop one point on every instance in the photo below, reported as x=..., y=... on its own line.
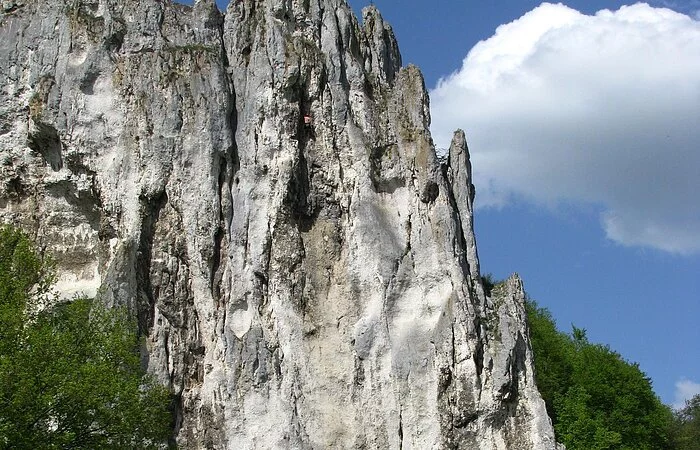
x=299, y=286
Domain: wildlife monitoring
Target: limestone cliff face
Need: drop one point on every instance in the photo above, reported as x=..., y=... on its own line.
x=300, y=286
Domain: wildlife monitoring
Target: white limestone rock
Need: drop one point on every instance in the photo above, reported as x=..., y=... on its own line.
x=300, y=286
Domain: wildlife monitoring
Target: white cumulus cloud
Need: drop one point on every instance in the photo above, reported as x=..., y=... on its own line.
x=685, y=390
x=604, y=110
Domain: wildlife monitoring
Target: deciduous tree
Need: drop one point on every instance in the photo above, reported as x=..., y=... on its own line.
x=70, y=375
x=595, y=398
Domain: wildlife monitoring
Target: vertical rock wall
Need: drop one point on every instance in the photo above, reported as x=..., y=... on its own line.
x=300, y=285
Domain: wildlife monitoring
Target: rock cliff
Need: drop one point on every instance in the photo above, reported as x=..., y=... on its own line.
x=260, y=187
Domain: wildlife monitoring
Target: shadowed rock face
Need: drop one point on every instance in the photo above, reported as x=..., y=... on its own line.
x=300, y=285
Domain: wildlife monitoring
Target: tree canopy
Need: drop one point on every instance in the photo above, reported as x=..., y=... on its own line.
x=595, y=398
x=686, y=426
x=70, y=373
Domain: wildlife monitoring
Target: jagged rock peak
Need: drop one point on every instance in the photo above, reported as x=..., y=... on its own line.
x=386, y=58
x=262, y=189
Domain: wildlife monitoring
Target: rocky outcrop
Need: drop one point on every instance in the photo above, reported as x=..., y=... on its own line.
x=299, y=285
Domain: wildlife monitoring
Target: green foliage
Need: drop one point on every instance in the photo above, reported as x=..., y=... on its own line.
x=70, y=375
x=595, y=398
x=686, y=426
x=25, y=280
x=553, y=352
x=489, y=282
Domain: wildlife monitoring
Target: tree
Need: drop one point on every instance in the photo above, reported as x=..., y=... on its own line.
x=618, y=399
x=595, y=398
x=70, y=374
x=686, y=426
x=25, y=280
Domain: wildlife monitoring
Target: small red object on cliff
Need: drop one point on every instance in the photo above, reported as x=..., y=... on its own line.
x=307, y=120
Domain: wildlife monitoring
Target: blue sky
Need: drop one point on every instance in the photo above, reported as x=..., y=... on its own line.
x=585, y=158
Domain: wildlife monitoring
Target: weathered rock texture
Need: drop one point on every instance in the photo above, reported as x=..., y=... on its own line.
x=299, y=286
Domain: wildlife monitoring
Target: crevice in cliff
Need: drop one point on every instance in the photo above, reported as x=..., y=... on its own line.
x=263, y=276
x=479, y=354
x=221, y=237
x=298, y=196
x=215, y=282
x=178, y=418
x=229, y=166
x=150, y=208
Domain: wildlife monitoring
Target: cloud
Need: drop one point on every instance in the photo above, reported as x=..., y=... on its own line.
x=685, y=390
x=604, y=110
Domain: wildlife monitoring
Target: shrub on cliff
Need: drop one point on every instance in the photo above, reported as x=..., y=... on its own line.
x=70, y=375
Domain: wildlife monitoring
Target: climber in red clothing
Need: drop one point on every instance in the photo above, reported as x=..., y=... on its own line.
x=308, y=121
